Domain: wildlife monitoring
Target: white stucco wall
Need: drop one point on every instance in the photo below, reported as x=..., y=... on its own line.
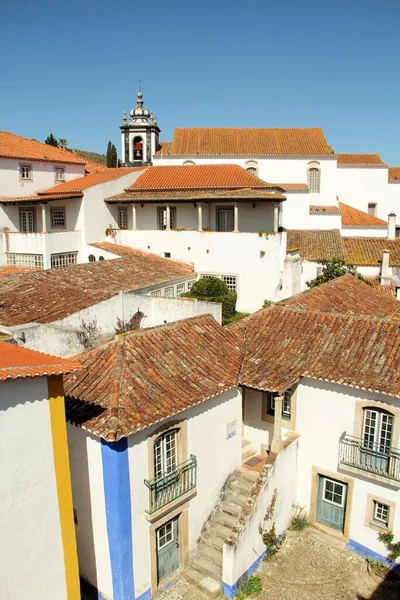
x=239, y=558
x=43, y=176
x=216, y=455
x=251, y=257
x=256, y=430
x=31, y=551
x=377, y=232
x=324, y=221
x=88, y=499
x=324, y=412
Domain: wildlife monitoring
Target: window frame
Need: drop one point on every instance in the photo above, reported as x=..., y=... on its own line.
x=53, y=209
x=24, y=166
x=221, y=209
x=31, y=209
x=342, y=504
x=372, y=208
x=56, y=171
x=58, y=255
x=122, y=210
x=370, y=520
x=172, y=218
x=311, y=167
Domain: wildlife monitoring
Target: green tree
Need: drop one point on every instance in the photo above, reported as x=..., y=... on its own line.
x=114, y=156
x=62, y=143
x=212, y=289
x=108, y=155
x=332, y=269
x=51, y=140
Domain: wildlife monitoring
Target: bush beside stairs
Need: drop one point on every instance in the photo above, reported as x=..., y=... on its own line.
x=205, y=562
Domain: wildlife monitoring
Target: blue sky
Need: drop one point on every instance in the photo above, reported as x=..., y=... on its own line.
x=72, y=68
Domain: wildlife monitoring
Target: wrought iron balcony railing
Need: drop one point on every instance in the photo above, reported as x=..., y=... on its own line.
x=171, y=485
x=373, y=458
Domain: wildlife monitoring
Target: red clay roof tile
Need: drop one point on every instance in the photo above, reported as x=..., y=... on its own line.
x=352, y=217
x=16, y=362
x=359, y=159
x=394, y=173
x=82, y=183
x=16, y=146
x=368, y=251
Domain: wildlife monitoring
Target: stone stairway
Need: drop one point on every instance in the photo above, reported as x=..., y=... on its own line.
x=205, y=562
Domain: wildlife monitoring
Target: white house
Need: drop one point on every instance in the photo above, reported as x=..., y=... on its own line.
x=38, y=550
x=53, y=227
x=321, y=425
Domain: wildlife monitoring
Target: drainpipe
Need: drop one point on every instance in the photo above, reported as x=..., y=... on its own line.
x=276, y=444
x=391, y=226
x=385, y=278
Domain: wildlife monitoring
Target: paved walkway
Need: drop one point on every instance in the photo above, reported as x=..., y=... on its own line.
x=310, y=566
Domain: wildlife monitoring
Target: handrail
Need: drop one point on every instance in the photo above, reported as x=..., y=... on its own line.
x=371, y=457
x=171, y=485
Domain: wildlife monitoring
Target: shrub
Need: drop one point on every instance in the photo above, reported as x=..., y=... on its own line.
x=299, y=520
x=213, y=289
x=332, y=269
x=267, y=303
x=249, y=587
x=393, y=548
x=237, y=317
x=272, y=541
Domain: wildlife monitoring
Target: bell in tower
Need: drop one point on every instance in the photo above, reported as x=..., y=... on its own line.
x=140, y=135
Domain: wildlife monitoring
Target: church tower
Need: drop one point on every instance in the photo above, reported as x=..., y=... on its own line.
x=139, y=135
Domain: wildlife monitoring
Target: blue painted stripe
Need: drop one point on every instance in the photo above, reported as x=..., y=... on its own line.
x=368, y=553
x=145, y=596
x=117, y=495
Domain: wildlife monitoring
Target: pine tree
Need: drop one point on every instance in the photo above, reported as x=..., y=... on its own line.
x=109, y=156
x=114, y=156
x=51, y=140
x=62, y=143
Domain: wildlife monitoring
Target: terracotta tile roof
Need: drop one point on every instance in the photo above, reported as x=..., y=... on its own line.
x=352, y=217
x=333, y=210
x=359, y=159
x=94, y=167
x=4, y=271
x=82, y=183
x=292, y=187
x=118, y=249
x=16, y=146
x=36, y=199
x=45, y=296
x=17, y=362
x=368, y=251
x=150, y=375
x=316, y=245
x=164, y=147
x=284, y=344
x=198, y=196
x=389, y=291
x=346, y=294
x=196, y=177
x=249, y=142
x=394, y=173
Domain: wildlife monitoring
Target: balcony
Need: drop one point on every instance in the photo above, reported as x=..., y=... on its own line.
x=170, y=486
x=371, y=458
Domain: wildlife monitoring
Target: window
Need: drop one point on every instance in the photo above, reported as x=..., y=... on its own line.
x=189, y=163
x=27, y=261
x=377, y=430
x=190, y=285
x=123, y=218
x=380, y=515
x=27, y=220
x=372, y=206
x=225, y=219
x=165, y=453
x=137, y=148
x=180, y=289
x=162, y=218
x=25, y=172
x=64, y=259
x=287, y=405
x=334, y=492
x=60, y=173
x=230, y=281
x=165, y=535
x=155, y=293
x=251, y=167
x=57, y=216
x=92, y=258
x=314, y=177
x=270, y=403
x=397, y=234
x=169, y=291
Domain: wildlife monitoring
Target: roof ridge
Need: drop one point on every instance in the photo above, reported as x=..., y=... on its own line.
x=344, y=316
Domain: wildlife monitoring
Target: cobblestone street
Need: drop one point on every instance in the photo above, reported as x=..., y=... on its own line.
x=310, y=566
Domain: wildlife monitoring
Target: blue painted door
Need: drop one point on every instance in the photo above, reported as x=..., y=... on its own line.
x=331, y=502
x=167, y=548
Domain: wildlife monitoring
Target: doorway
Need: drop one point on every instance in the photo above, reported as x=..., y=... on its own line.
x=331, y=502
x=167, y=539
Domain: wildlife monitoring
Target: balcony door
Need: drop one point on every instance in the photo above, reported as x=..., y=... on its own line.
x=27, y=220
x=165, y=456
x=331, y=502
x=376, y=439
x=225, y=219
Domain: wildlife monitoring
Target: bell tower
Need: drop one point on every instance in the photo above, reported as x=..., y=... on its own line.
x=139, y=135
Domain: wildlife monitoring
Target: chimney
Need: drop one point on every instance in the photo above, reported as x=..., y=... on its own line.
x=385, y=278
x=391, y=226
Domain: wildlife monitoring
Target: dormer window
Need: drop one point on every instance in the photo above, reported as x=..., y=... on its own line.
x=314, y=177
x=252, y=167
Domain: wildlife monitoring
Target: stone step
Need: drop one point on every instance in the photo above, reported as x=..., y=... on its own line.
x=224, y=518
x=208, y=584
x=235, y=498
x=248, y=474
x=220, y=530
x=210, y=553
x=201, y=563
x=211, y=540
x=248, y=451
x=231, y=507
x=245, y=442
x=240, y=486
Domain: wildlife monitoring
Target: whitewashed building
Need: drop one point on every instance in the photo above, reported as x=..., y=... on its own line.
x=320, y=426
x=38, y=550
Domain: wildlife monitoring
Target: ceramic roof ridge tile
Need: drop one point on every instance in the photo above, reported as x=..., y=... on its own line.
x=354, y=217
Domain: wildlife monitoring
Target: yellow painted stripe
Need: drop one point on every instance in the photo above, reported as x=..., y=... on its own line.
x=63, y=482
